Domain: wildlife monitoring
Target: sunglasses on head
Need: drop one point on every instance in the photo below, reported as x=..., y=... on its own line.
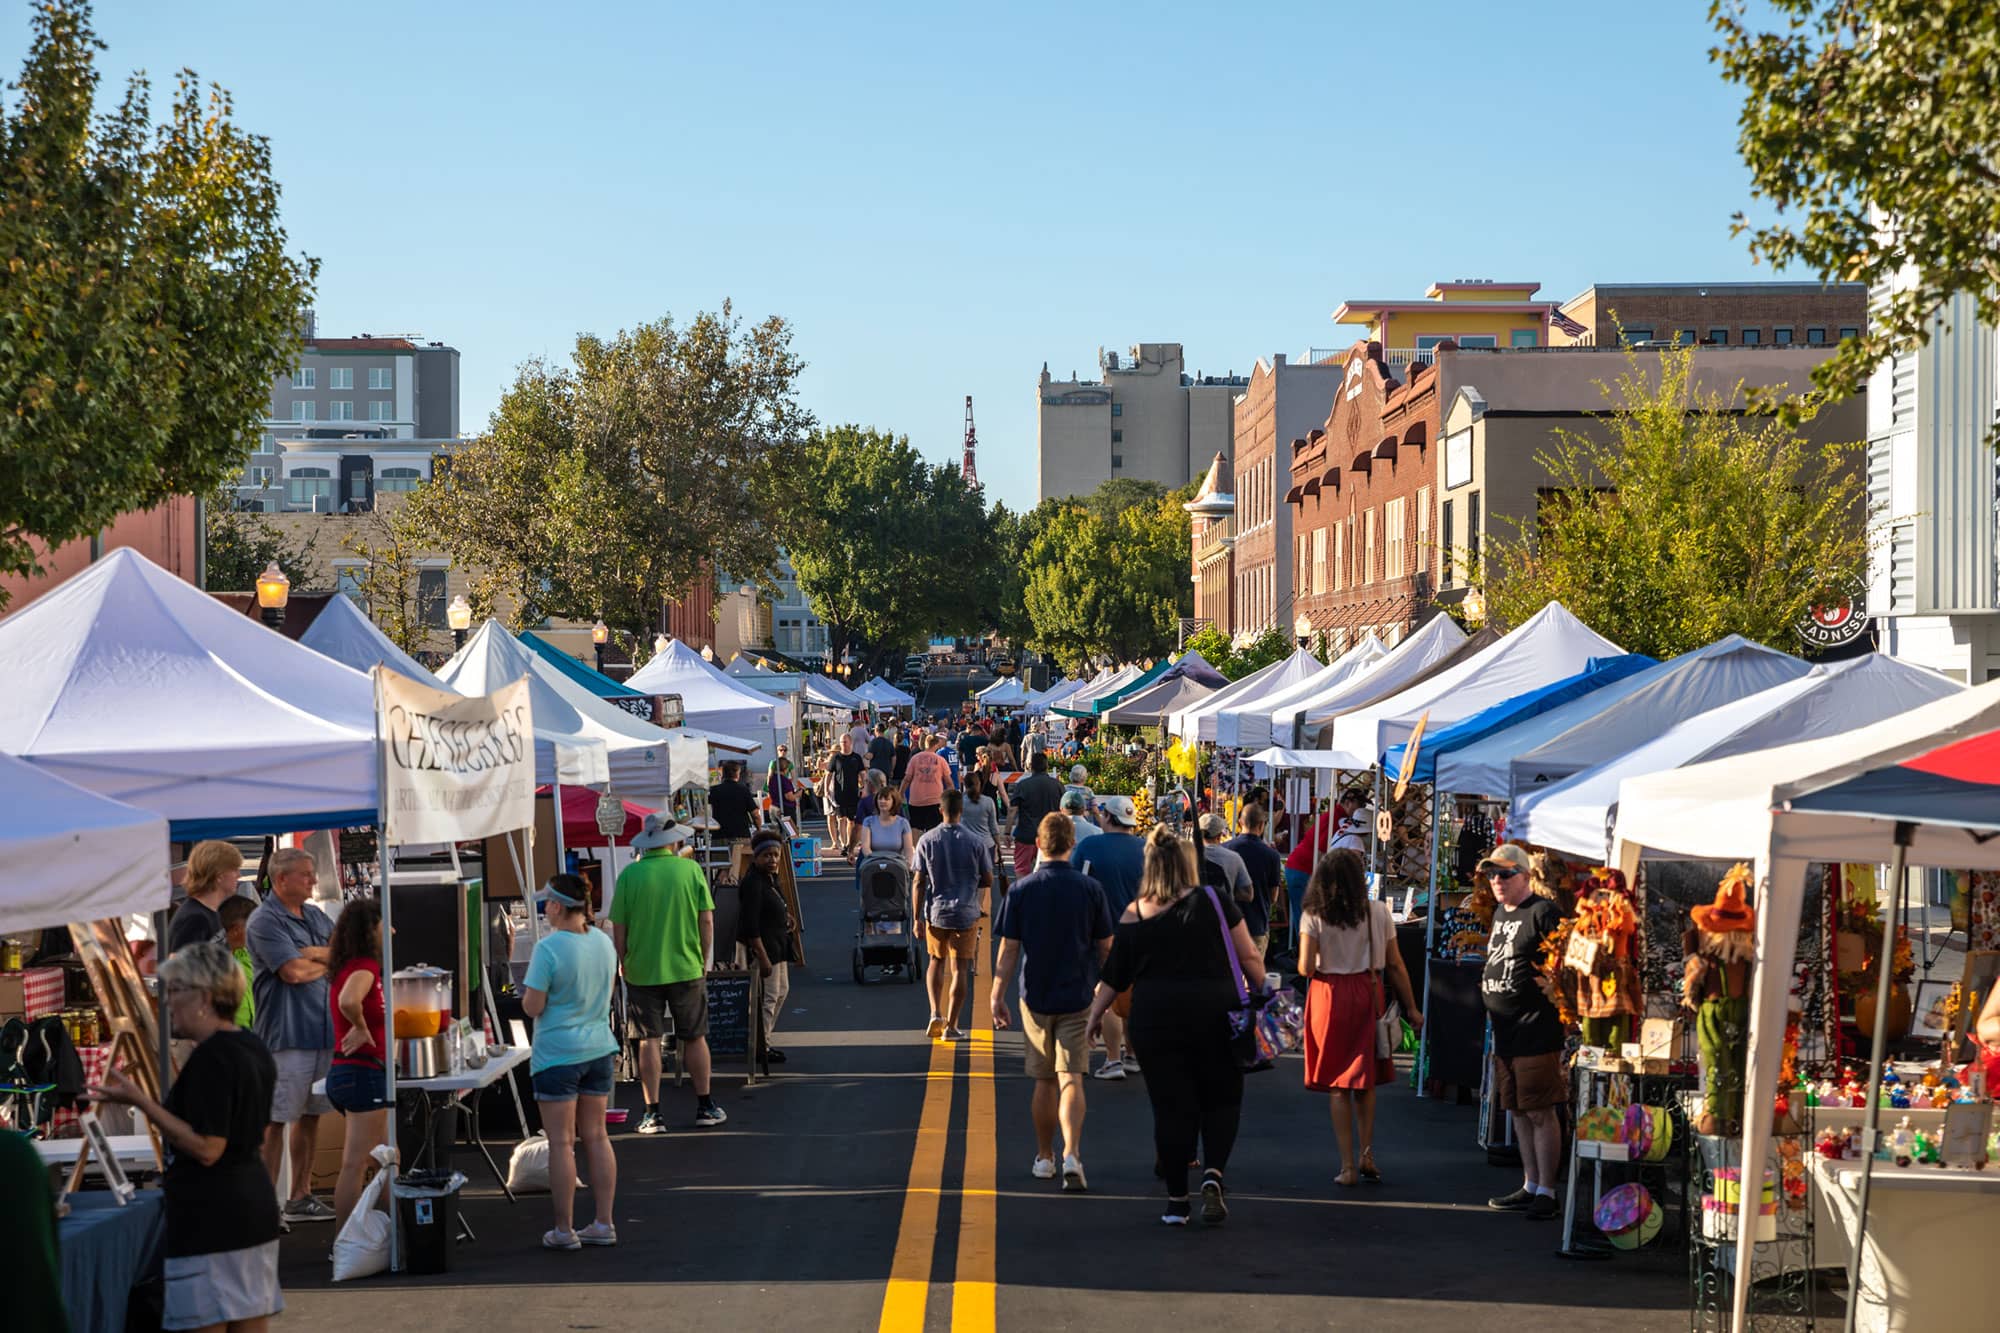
x=1497, y=873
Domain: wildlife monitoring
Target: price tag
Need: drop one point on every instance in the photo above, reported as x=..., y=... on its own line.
x=1582, y=954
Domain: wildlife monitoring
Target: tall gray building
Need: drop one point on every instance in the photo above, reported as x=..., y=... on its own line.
x=1146, y=418
x=354, y=416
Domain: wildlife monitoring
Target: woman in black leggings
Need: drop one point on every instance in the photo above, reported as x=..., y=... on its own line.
x=1169, y=949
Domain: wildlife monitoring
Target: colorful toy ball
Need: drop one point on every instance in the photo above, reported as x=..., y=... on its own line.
x=1628, y=1217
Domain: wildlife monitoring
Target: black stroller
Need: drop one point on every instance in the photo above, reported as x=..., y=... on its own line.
x=885, y=937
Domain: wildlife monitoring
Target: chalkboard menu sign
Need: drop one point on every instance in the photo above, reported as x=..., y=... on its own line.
x=734, y=1016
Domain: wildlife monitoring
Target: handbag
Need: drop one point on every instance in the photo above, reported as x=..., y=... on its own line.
x=1247, y=1041
x=1389, y=1020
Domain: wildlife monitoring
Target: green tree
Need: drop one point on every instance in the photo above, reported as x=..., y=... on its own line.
x=391, y=543
x=1687, y=523
x=1215, y=649
x=608, y=486
x=1114, y=587
x=1873, y=129
x=1273, y=645
x=1119, y=494
x=147, y=298
x=241, y=545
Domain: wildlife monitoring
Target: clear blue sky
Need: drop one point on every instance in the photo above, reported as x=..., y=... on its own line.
x=940, y=198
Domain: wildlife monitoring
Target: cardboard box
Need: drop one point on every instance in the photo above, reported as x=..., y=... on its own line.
x=31, y=994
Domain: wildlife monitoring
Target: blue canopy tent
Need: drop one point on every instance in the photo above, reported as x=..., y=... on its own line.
x=596, y=682
x=1600, y=672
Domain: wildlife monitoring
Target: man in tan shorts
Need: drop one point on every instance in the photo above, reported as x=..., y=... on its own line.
x=949, y=895
x=1054, y=923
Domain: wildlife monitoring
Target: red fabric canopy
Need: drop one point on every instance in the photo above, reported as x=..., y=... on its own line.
x=580, y=818
x=1975, y=759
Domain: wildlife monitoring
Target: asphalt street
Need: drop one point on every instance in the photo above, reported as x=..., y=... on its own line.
x=881, y=1182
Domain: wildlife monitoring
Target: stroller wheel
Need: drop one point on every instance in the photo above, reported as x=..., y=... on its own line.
x=860, y=968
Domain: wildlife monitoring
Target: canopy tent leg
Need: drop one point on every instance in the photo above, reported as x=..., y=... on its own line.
x=1430, y=948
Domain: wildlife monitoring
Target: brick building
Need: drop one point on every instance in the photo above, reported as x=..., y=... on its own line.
x=1734, y=314
x=1212, y=540
x=1283, y=401
x=1362, y=497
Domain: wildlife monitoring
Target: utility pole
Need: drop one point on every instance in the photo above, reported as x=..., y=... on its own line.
x=969, y=468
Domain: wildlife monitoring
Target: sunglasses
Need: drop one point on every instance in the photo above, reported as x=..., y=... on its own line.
x=1501, y=874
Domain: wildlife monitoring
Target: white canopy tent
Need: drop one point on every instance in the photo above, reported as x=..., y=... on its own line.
x=1151, y=706
x=642, y=759
x=882, y=694
x=1197, y=722
x=1417, y=658
x=1551, y=645
x=1736, y=809
x=70, y=855
x=1006, y=692
x=1271, y=718
x=710, y=700
x=1575, y=815
x=1079, y=701
x=1061, y=690
x=1678, y=689
x=244, y=731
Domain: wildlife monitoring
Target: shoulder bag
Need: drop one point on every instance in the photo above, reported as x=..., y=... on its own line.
x=1246, y=1039
x=1389, y=1013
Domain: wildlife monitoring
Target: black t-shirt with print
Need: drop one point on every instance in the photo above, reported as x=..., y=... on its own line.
x=1525, y=1021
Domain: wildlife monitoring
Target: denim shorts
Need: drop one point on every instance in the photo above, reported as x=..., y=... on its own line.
x=357, y=1089
x=565, y=1083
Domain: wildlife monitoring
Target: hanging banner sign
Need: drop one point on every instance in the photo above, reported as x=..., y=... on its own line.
x=453, y=767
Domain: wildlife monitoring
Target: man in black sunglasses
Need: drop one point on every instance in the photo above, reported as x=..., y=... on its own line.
x=1527, y=1032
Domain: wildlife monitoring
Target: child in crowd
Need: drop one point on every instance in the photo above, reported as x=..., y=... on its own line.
x=235, y=913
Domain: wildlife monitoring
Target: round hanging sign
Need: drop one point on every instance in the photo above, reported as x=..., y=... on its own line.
x=610, y=815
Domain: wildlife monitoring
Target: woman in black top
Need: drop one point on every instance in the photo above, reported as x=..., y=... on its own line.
x=764, y=929
x=1170, y=949
x=221, y=1214
x=731, y=803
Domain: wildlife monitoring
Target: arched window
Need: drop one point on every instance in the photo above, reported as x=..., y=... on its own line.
x=398, y=479
x=304, y=486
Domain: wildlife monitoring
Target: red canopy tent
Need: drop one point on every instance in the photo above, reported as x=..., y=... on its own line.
x=579, y=816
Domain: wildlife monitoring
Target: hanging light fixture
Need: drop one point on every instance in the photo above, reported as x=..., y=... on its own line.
x=600, y=634
x=459, y=616
x=273, y=591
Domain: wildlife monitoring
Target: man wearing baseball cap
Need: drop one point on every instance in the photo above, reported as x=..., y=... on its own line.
x=663, y=922
x=1527, y=1031
x=1115, y=858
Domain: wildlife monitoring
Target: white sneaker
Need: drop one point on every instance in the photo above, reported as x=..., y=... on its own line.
x=1073, y=1181
x=1110, y=1069
x=1131, y=1063
x=1044, y=1168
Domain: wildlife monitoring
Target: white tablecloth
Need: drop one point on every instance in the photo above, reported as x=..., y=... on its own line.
x=1930, y=1237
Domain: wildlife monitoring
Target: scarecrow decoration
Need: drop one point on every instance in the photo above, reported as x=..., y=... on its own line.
x=1601, y=966
x=1720, y=947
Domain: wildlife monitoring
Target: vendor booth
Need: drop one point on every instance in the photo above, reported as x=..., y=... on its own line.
x=1078, y=703
x=879, y=693
x=1149, y=707
x=1254, y=723
x=1007, y=692
x=344, y=632
x=710, y=700
x=1197, y=721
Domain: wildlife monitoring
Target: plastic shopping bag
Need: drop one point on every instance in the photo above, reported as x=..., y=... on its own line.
x=362, y=1247
x=528, y=1168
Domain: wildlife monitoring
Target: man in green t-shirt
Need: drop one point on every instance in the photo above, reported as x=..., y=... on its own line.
x=663, y=922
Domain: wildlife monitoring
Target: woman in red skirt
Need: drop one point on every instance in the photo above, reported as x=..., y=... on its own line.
x=1345, y=945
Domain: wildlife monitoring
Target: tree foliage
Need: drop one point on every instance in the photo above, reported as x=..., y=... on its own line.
x=608, y=486
x=1273, y=645
x=1687, y=523
x=890, y=549
x=1873, y=127
x=146, y=299
x=241, y=545
x=390, y=542
x=1097, y=586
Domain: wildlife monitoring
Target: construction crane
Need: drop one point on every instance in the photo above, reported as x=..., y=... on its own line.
x=968, y=467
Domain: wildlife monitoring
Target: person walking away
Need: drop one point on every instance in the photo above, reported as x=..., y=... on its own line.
x=1035, y=798
x=1079, y=783
x=1055, y=926
x=1347, y=948
x=1304, y=854
x=882, y=751
x=764, y=929
x=970, y=742
x=663, y=926
x=1170, y=951
x=221, y=1234
x=843, y=772
x=925, y=782
x=982, y=816
x=1035, y=742
x=567, y=991
x=900, y=756
x=212, y=869
x=1115, y=858
x=1266, y=869
x=1527, y=1031
x=950, y=893
x=288, y=938
x=357, y=1083
x=859, y=731
x=1221, y=866
x=1075, y=804
x=732, y=803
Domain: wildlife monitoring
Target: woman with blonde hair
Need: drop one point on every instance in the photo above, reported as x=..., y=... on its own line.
x=1347, y=946
x=1172, y=948
x=221, y=1213
x=212, y=868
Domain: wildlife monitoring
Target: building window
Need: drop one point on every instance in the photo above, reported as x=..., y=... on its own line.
x=431, y=597
x=382, y=410
x=1423, y=529
x=1752, y=337
x=1368, y=548
x=1446, y=557
x=1635, y=336
x=1719, y=336
x=304, y=410
x=347, y=579
x=1118, y=437
x=1472, y=538
x=1684, y=337
x=340, y=377
x=1339, y=553
x=1524, y=338
x=1781, y=336
x=1395, y=523
x=1117, y=461
x=303, y=377
x=1319, y=561
x=398, y=479
x=381, y=377
x=1849, y=331
x=1815, y=337
x=357, y=487
x=1118, y=409
x=306, y=486
x=340, y=409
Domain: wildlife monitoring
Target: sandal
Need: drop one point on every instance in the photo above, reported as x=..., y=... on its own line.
x=1347, y=1180
x=1368, y=1171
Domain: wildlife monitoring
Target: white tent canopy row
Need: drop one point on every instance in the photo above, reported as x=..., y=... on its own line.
x=1081, y=700
x=1151, y=706
x=882, y=694
x=1199, y=721
x=1267, y=718
x=343, y=632
x=1576, y=814
x=1550, y=645
x=68, y=855
x=1639, y=708
x=1364, y=674
x=1062, y=691
x=1737, y=809
x=1007, y=692
x=710, y=699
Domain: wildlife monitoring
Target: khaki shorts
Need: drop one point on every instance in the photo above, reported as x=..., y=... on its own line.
x=1529, y=1082
x=961, y=944
x=1055, y=1043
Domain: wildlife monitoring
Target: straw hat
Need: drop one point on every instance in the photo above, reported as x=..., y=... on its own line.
x=1729, y=912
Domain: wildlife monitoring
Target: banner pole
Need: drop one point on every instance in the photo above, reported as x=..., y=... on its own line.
x=384, y=862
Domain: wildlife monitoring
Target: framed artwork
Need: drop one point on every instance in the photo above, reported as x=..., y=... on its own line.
x=1928, y=1018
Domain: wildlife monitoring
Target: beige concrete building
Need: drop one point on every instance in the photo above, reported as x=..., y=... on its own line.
x=1146, y=418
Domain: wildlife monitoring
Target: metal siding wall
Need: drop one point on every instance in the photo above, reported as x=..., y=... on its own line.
x=1956, y=536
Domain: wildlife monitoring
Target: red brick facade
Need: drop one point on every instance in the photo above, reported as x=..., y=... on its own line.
x=1364, y=498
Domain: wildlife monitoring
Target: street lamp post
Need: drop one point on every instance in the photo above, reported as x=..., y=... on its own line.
x=660, y=642
x=459, y=616
x=1302, y=629
x=273, y=591
x=600, y=634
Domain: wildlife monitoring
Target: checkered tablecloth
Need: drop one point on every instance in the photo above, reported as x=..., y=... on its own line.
x=96, y=1059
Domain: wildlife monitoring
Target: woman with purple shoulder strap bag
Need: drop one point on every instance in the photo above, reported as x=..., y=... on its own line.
x=1183, y=953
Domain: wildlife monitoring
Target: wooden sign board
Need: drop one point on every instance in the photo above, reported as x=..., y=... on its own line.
x=129, y=1013
x=1410, y=750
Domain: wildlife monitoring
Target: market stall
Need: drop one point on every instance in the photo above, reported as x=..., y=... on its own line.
x=1150, y=707
x=710, y=700
x=1379, y=674
x=1197, y=721
x=1079, y=703
x=879, y=693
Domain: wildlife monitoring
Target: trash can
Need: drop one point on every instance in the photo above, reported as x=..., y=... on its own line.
x=427, y=1214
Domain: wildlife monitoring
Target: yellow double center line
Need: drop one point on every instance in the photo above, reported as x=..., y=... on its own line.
x=972, y=1293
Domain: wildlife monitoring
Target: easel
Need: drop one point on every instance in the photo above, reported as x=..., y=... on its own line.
x=129, y=1015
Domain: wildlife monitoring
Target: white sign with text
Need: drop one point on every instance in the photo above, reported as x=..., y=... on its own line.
x=453, y=767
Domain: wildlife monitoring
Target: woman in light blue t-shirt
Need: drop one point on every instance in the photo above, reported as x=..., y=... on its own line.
x=568, y=993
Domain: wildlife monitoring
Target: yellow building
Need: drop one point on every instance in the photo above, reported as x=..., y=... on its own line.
x=1472, y=312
